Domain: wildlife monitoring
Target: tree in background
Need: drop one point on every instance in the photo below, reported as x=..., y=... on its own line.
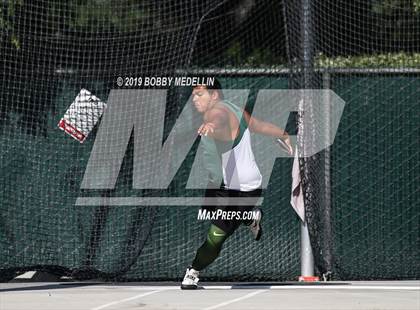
x=97, y=39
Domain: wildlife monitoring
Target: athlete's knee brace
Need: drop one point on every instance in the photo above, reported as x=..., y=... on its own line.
x=216, y=237
x=210, y=249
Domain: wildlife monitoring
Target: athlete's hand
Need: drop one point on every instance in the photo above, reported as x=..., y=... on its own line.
x=206, y=128
x=289, y=145
x=286, y=145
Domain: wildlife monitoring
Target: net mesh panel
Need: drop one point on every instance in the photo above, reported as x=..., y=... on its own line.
x=52, y=50
x=374, y=176
x=360, y=194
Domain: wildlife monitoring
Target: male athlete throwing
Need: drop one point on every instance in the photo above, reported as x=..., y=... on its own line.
x=233, y=172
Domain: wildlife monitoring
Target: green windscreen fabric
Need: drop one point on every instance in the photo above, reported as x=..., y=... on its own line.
x=374, y=172
x=374, y=177
x=44, y=229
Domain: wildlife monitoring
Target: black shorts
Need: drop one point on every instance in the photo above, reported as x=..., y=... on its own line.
x=229, y=226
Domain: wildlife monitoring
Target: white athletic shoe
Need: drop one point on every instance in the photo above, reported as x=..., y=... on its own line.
x=255, y=226
x=190, y=279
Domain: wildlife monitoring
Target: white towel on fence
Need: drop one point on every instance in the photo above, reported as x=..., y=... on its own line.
x=296, y=199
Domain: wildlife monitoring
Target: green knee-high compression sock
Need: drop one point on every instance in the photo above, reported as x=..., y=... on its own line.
x=210, y=249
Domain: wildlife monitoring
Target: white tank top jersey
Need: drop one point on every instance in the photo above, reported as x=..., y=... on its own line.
x=233, y=161
x=240, y=171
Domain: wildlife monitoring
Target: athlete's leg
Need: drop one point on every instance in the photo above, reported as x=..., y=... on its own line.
x=210, y=249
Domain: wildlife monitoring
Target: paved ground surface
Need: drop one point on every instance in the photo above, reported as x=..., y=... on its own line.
x=232, y=296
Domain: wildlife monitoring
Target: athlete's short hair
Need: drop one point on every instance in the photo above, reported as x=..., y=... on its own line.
x=215, y=86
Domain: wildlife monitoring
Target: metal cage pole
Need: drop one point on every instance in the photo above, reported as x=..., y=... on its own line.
x=306, y=254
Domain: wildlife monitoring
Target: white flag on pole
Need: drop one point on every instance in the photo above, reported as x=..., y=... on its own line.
x=296, y=199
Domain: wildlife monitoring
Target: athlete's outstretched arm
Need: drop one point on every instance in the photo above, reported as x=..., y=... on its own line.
x=265, y=128
x=268, y=129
